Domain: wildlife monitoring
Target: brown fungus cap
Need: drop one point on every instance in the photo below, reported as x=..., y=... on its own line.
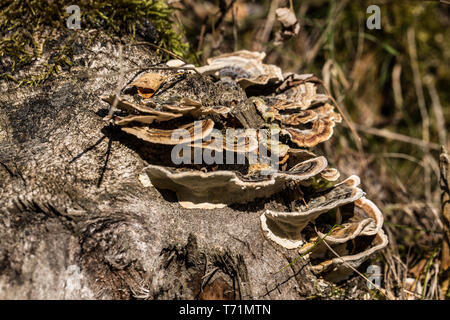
x=285, y=228
x=340, y=268
x=296, y=119
x=310, y=127
x=305, y=128
x=131, y=107
x=298, y=97
x=218, y=142
x=197, y=189
x=326, y=111
x=187, y=106
x=360, y=218
x=184, y=106
x=320, y=131
x=330, y=174
x=161, y=136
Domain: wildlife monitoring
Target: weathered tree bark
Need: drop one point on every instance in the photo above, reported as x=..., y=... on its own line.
x=76, y=222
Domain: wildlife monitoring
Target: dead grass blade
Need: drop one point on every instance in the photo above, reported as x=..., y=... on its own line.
x=398, y=137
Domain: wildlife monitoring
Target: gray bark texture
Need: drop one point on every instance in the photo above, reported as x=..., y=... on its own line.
x=76, y=222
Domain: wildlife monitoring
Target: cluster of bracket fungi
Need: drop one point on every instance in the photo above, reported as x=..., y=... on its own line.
x=310, y=203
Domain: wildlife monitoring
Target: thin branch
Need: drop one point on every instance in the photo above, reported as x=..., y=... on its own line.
x=120, y=83
x=398, y=137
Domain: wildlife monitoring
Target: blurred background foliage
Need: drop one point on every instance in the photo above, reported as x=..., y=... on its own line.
x=392, y=82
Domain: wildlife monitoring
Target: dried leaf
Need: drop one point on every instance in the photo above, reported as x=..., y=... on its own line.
x=148, y=83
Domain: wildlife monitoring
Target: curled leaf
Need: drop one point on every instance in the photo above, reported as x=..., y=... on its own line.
x=147, y=84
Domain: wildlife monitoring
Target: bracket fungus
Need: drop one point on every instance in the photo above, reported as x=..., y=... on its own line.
x=162, y=136
x=360, y=218
x=285, y=227
x=197, y=189
x=330, y=174
x=351, y=255
x=244, y=67
x=271, y=156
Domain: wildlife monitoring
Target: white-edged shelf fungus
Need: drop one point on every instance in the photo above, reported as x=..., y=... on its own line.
x=297, y=115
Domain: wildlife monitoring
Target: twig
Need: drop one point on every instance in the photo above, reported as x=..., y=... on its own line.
x=411, y=293
x=402, y=156
x=112, y=74
x=349, y=123
x=310, y=249
x=170, y=53
x=398, y=137
x=201, y=38
x=427, y=159
x=291, y=5
x=418, y=84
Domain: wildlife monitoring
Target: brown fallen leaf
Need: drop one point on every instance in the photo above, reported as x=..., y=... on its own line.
x=418, y=268
x=148, y=83
x=445, y=216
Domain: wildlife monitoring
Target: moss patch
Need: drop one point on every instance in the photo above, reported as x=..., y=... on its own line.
x=28, y=27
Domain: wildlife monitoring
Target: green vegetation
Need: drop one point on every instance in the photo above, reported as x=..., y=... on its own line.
x=27, y=27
